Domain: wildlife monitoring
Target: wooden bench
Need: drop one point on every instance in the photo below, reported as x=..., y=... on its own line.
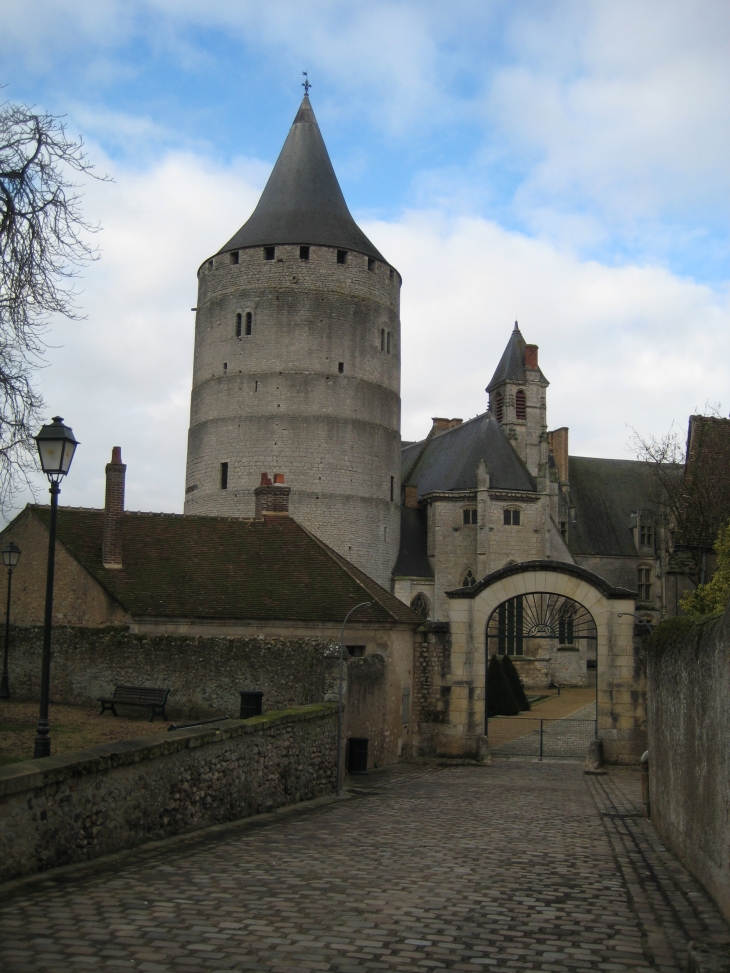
x=136, y=696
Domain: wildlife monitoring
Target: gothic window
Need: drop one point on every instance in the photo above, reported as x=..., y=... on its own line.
x=269, y=253
x=644, y=584
x=224, y=476
x=511, y=517
x=520, y=404
x=498, y=407
x=239, y=325
x=468, y=580
x=420, y=605
x=304, y=253
x=342, y=256
x=249, y=322
x=470, y=515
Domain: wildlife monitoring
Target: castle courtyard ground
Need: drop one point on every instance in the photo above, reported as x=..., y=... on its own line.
x=515, y=866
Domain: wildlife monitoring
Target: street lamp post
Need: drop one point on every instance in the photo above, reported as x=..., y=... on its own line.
x=11, y=555
x=363, y=604
x=56, y=447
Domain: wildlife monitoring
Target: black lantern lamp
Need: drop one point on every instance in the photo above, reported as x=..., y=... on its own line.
x=56, y=447
x=11, y=556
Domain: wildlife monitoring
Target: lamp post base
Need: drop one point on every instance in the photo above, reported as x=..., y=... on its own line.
x=42, y=746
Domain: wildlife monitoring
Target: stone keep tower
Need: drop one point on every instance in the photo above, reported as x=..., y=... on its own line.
x=517, y=401
x=297, y=364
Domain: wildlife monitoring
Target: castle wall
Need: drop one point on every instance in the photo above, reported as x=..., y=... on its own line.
x=313, y=392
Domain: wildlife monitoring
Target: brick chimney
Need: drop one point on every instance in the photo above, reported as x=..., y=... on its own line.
x=531, y=356
x=443, y=425
x=111, y=548
x=558, y=446
x=410, y=495
x=272, y=498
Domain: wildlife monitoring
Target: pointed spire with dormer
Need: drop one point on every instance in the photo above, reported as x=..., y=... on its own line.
x=302, y=202
x=517, y=401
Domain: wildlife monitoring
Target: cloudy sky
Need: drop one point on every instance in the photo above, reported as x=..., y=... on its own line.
x=560, y=163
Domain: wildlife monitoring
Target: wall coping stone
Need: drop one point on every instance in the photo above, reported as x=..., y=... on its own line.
x=30, y=774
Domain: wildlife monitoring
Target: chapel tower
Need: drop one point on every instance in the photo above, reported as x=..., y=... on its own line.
x=517, y=401
x=297, y=364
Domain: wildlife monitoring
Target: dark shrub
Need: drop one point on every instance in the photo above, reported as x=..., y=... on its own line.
x=515, y=683
x=500, y=701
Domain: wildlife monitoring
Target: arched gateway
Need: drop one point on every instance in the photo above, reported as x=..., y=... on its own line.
x=531, y=611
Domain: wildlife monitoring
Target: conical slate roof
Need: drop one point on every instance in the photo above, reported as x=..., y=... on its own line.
x=511, y=366
x=302, y=202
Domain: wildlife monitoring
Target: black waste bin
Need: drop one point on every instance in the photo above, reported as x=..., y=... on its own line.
x=357, y=755
x=251, y=701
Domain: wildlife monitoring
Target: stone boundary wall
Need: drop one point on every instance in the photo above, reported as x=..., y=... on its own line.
x=205, y=674
x=76, y=807
x=689, y=746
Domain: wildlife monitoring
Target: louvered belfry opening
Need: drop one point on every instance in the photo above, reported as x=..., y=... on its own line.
x=520, y=404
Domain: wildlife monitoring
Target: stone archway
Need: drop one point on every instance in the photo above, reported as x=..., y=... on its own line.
x=621, y=686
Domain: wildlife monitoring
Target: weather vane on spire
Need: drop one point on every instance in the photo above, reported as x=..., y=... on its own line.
x=306, y=84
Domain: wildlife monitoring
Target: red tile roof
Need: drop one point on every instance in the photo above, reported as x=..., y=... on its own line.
x=225, y=568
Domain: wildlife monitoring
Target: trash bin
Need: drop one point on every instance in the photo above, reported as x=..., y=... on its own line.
x=357, y=755
x=251, y=701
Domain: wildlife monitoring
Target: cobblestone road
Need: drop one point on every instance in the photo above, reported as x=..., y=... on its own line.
x=517, y=866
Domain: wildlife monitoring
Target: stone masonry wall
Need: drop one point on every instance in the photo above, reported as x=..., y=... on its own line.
x=76, y=807
x=689, y=746
x=204, y=674
x=312, y=392
x=431, y=692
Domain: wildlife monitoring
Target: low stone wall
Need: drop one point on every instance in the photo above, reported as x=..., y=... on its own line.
x=204, y=674
x=71, y=808
x=689, y=746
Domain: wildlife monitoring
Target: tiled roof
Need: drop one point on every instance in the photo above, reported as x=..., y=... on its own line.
x=449, y=460
x=302, y=202
x=607, y=494
x=225, y=568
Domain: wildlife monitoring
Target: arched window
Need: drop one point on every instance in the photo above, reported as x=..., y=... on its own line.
x=420, y=605
x=498, y=407
x=239, y=325
x=249, y=322
x=468, y=580
x=520, y=404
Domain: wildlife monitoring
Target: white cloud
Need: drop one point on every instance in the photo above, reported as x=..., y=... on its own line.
x=628, y=346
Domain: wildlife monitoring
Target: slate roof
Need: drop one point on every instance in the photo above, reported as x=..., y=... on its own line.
x=605, y=494
x=412, y=557
x=302, y=202
x=224, y=568
x=449, y=461
x=511, y=366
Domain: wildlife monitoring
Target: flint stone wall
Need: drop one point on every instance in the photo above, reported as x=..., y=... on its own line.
x=204, y=674
x=689, y=746
x=76, y=807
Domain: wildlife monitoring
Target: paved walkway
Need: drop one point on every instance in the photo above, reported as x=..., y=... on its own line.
x=517, y=866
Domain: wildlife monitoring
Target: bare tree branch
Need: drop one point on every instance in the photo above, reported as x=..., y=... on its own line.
x=43, y=246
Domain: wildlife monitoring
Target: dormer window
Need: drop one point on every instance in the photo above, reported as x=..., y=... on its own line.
x=511, y=517
x=646, y=536
x=498, y=407
x=520, y=404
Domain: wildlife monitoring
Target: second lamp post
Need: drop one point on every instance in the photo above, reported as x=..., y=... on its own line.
x=56, y=447
x=11, y=556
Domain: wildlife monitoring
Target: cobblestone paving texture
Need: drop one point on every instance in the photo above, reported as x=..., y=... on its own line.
x=516, y=866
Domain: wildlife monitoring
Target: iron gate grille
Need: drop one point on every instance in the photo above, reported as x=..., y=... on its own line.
x=539, y=615
x=523, y=736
